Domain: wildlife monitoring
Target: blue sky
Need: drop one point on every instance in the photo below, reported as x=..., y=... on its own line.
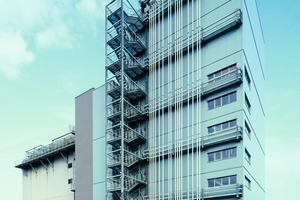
x=51, y=51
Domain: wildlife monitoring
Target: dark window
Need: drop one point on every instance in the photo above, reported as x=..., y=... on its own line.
x=222, y=126
x=225, y=180
x=233, y=152
x=247, y=102
x=70, y=181
x=222, y=154
x=222, y=181
x=247, y=128
x=247, y=182
x=221, y=74
x=247, y=76
x=232, y=97
x=247, y=156
x=69, y=165
x=211, y=183
x=221, y=101
x=232, y=180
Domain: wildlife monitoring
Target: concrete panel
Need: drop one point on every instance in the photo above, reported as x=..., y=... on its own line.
x=84, y=147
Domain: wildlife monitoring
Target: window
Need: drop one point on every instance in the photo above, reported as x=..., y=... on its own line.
x=247, y=183
x=223, y=73
x=247, y=128
x=222, y=154
x=222, y=181
x=70, y=180
x=247, y=156
x=221, y=101
x=69, y=165
x=222, y=126
x=247, y=77
x=247, y=102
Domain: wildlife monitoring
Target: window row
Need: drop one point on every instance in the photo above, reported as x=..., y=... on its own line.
x=221, y=101
x=222, y=154
x=222, y=126
x=222, y=181
x=223, y=73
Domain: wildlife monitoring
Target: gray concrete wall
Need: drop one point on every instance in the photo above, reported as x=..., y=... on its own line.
x=84, y=147
x=99, y=144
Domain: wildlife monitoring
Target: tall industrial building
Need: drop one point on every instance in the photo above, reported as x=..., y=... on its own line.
x=184, y=100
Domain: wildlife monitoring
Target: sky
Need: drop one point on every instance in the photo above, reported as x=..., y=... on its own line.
x=53, y=50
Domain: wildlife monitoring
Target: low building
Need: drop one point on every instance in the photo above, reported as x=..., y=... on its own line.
x=49, y=170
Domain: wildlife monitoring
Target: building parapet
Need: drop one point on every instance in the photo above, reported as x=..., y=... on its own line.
x=61, y=144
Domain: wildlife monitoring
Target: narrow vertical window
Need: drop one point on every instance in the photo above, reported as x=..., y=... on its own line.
x=247, y=156
x=247, y=183
x=247, y=102
x=247, y=129
x=247, y=77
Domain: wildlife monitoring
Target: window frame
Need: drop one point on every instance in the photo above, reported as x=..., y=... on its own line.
x=231, y=99
x=222, y=73
x=247, y=103
x=229, y=153
x=247, y=129
x=247, y=77
x=218, y=181
x=247, y=183
x=214, y=128
x=247, y=156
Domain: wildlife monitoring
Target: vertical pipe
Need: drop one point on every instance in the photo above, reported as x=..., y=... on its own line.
x=122, y=100
x=106, y=96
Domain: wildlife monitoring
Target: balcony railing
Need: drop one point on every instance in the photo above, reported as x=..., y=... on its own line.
x=61, y=144
x=235, y=191
x=228, y=135
x=231, y=134
x=201, y=35
x=223, y=191
x=234, y=77
x=223, y=81
x=227, y=23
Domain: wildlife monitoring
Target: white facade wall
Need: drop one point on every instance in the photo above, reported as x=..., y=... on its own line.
x=49, y=181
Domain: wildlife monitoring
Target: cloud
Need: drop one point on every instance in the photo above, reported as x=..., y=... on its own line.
x=14, y=54
x=57, y=35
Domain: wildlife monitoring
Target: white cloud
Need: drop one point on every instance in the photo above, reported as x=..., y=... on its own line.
x=14, y=54
x=57, y=35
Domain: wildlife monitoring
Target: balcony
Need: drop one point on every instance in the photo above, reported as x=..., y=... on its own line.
x=228, y=135
x=133, y=66
x=133, y=18
x=132, y=90
x=132, y=41
x=200, y=35
x=179, y=97
x=223, y=191
x=227, y=23
x=203, y=142
x=226, y=80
